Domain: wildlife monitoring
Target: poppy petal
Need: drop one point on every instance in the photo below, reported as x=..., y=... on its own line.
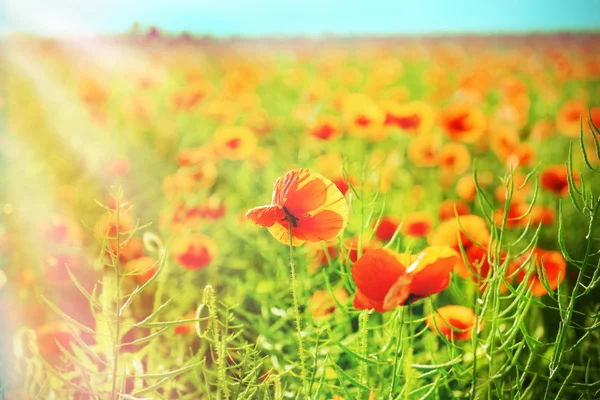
x=398, y=293
x=266, y=215
x=310, y=194
x=325, y=225
x=362, y=302
x=376, y=272
x=431, y=270
x=282, y=234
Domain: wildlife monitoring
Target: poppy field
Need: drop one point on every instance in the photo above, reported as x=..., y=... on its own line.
x=392, y=218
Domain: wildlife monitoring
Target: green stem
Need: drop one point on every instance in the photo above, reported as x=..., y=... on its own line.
x=557, y=355
x=397, y=351
x=364, y=320
x=474, y=339
x=409, y=355
x=297, y=313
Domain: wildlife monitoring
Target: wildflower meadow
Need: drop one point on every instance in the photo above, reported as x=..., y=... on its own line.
x=187, y=217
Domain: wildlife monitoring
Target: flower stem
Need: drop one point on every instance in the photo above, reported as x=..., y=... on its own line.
x=297, y=313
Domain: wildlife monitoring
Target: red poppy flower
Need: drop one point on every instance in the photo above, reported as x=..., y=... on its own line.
x=385, y=279
x=193, y=251
x=387, y=227
x=417, y=224
x=48, y=338
x=325, y=127
x=463, y=122
x=479, y=266
x=553, y=265
x=542, y=215
x=568, y=118
x=308, y=203
x=448, y=207
x=554, y=179
x=431, y=270
x=467, y=227
x=142, y=268
x=234, y=142
x=106, y=228
x=382, y=282
x=454, y=159
x=454, y=322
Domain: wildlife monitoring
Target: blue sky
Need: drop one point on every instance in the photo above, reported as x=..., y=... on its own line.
x=292, y=17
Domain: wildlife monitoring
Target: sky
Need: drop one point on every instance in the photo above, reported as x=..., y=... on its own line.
x=298, y=17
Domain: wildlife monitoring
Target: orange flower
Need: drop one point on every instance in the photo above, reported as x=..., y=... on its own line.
x=553, y=265
x=520, y=189
x=382, y=282
x=542, y=215
x=463, y=122
x=423, y=151
x=224, y=111
x=187, y=98
x=417, y=224
x=385, y=279
x=234, y=142
x=321, y=304
x=132, y=249
x=517, y=215
x=466, y=189
x=431, y=271
x=305, y=203
x=479, y=266
x=524, y=155
x=568, y=119
x=362, y=117
x=106, y=227
x=92, y=92
x=454, y=322
x=258, y=121
x=466, y=228
x=142, y=268
x=193, y=156
x=48, y=338
x=542, y=130
x=387, y=227
x=454, y=158
x=325, y=127
x=554, y=179
x=447, y=209
x=179, y=217
x=193, y=251
x=504, y=142
x=412, y=118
